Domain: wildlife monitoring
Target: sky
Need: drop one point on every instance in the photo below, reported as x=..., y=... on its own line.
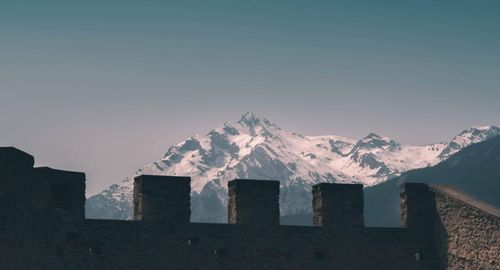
x=104, y=87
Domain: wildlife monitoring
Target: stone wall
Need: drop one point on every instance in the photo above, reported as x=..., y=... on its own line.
x=460, y=231
x=32, y=226
x=58, y=189
x=468, y=231
x=338, y=205
x=253, y=202
x=162, y=198
x=38, y=231
x=101, y=244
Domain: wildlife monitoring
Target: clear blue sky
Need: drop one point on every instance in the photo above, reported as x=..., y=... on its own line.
x=106, y=86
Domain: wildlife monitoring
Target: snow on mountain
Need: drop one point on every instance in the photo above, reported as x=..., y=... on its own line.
x=255, y=148
x=467, y=137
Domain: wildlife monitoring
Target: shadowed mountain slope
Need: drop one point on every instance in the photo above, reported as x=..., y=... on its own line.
x=474, y=170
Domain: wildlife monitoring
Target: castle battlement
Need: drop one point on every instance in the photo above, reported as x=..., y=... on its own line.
x=43, y=227
x=162, y=198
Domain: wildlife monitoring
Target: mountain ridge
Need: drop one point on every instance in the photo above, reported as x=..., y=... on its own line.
x=474, y=170
x=254, y=147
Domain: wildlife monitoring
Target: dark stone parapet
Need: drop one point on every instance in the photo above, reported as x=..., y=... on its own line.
x=42, y=227
x=467, y=231
x=460, y=231
x=417, y=206
x=16, y=169
x=459, y=195
x=253, y=202
x=338, y=205
x=162, y=199
x=65, y=190
x=11, y=157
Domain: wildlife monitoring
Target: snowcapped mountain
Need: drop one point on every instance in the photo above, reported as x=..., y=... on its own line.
x=255, y=148
x=474, y=170
x=467, y=137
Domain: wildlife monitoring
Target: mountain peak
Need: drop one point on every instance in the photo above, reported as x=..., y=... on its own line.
x=251, y=119
x=256, y=148
x=373, y=135
x=470, y=136
x=374, y=141
x=483, y=131
x=485, y=128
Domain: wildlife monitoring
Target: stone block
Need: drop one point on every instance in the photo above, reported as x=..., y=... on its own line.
x=11, y=157
x=162, y=198
x=338, y=205
x=253, y=202
x=65, y=191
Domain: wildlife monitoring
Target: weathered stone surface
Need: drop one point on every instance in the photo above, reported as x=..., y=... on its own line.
x=460, y=232
x=15, y=168
x=11, y=157
x=470, y=232
x=418, y=215
x=338, y=205
x=417, y=206
x=162, y=198
x=253, y=202
x=65, y=191
x=142, y=245
x=38, y=230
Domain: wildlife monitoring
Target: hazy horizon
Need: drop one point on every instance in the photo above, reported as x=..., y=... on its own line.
x=105, y=87
x=95, y=186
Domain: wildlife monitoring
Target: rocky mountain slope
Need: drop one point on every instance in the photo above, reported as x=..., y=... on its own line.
x=474, y=170
x=255, y=148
